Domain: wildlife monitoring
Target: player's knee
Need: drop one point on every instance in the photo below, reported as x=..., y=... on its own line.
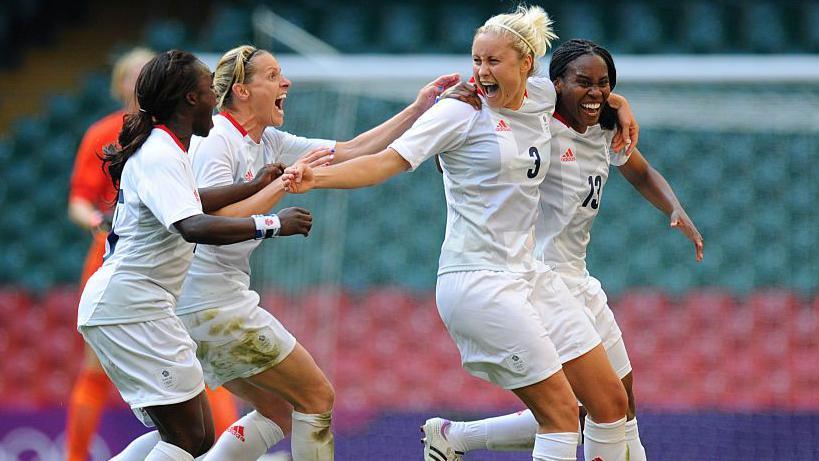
x=612, y=405
x=195, y=440
x=558, y=415
x=320, y=399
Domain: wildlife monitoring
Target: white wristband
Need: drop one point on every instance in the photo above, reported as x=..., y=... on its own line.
x=267, y=226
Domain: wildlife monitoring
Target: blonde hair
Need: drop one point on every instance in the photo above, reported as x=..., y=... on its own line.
x=529, y=28
x=234, y=67
x=122, y=66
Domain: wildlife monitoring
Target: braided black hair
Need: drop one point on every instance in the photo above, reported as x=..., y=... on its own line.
x=161, y=86
x=567, y=52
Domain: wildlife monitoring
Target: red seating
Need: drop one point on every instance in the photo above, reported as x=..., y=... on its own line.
x=772, y=307
x=60, y=305
x=13, y=302
x=645, y=306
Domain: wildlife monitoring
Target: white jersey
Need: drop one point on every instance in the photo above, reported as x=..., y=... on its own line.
x=493, y=163
x=146, y=258
x=220, y=275
x=570, y=197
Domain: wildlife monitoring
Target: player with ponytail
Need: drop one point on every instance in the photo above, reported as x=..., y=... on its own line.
x=126, y=313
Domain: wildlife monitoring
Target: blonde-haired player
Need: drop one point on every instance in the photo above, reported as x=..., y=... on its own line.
x=582, y=129
x=239, y=344
x=492, y=164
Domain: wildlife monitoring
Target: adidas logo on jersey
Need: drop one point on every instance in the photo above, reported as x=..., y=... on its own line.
x=568, y=156
x=249, y=176
x=502, y=126
x=238, y=431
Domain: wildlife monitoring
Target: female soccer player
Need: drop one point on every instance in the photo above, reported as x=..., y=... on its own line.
x=582, y=128
x=89, y=206
x=126, y=310
x=492, y=170
x=258, y=359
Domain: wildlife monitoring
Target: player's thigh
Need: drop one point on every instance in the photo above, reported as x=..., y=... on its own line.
x=596, y=385
x=498, y=333
x=595, y=299
x=90, y=360
x=299, y=380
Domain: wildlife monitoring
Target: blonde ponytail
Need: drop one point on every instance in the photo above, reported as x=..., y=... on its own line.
x=233, y=67
x=529, y=28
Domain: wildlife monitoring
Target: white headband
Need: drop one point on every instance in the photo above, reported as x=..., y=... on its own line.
x=531, y=48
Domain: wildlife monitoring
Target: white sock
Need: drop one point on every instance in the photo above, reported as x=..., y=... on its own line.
x=138, y=449
x=247, y=439
x=311, y=438
x=514, y=432
x=557, y=446
x=636, y=451
x=164, y=451
x=606, y=441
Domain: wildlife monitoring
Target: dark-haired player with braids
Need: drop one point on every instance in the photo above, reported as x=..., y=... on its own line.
x=126, y=313
x=582, y=129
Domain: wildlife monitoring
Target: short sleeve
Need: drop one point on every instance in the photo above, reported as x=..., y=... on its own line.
x=168, y=189
x=212, y=162
x=442, y=128
x=618, y=158
x=287, y=148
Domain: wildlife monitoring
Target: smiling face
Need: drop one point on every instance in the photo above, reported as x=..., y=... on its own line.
x=583, y=89
x=204, y=102
x=499, y=70
x=267, y=90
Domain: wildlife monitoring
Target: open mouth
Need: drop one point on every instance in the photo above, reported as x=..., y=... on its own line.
x=279, y=102
x=490, y=88
x=591, y=109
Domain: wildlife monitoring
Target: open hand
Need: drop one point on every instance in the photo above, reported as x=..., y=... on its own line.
x=464, y=92
x=322, y=156
x=426, y=97
x=295, y=221
x=681, y=221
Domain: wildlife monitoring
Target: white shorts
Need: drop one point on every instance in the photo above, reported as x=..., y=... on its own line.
x=591, y=295
x=500, y=335
x=237, y=342
x=152, y=363
x=567, y=321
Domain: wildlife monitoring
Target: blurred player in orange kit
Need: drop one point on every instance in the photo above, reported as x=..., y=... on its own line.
x=90, y=201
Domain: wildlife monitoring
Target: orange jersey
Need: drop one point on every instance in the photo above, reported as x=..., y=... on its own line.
x=89, y=182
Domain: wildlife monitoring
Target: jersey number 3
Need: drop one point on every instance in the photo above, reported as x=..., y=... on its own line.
x=532, y=172
x=593, y=198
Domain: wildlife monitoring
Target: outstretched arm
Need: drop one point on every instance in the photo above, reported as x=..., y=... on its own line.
x=378, y=138
x=218, y=230
x=359, y=172
x=216, y=198
x=653, y=186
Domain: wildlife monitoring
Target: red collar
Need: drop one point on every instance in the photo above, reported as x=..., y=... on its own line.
x=234, y=122
x=561, y=119
x=173, y=136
